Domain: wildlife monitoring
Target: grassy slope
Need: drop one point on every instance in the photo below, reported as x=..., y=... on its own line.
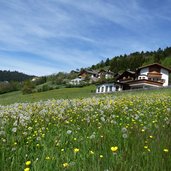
x=62, y=93
x=67, y=93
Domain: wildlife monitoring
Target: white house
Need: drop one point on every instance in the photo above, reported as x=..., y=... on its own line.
x=108, y=87
x=153, y=75
x=76, y=81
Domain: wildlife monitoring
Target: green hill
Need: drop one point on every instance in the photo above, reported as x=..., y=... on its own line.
x=14, y=76
x=135, y=60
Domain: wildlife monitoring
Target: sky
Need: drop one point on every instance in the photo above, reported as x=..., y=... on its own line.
x=43, y=37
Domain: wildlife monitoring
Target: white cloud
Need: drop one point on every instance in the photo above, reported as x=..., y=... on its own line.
x=76, y=34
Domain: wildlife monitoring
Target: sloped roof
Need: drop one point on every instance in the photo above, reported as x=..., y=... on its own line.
x=154, y=64
x=127, y=71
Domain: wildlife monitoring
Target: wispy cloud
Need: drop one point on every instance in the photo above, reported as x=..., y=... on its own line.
x=74, y=34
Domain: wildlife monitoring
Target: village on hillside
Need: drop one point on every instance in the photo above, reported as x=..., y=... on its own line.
x=149, y=76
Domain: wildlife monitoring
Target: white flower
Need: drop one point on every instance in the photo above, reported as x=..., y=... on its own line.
x=14, y=129
x=125, y=135
x=102, y=119
x=2, y=132
x=124, y=130
x=69, y=132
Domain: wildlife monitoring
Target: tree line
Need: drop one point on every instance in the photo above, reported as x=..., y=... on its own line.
x=13, y=76
x=135, y=60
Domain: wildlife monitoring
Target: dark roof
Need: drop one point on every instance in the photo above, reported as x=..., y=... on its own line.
x=127, y=71
x=154, y=64
x=88, y=71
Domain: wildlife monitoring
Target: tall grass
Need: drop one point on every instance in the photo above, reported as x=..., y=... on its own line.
x=126, y=133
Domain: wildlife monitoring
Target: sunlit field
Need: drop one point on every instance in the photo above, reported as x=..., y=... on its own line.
x=112, y=133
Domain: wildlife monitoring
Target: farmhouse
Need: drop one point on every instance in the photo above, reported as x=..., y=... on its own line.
x=107, y=74
x=76, y=81
x=153, y=75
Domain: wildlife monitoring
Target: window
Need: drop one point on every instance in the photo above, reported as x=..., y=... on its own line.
x=102, y=89
x=98, y=89
x=106, y=88
x=110, y=88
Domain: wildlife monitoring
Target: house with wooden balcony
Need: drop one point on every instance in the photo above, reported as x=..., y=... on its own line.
x=153, y=75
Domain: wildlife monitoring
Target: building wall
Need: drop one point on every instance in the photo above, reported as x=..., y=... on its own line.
x=75, y=81
x=144, y=71
x=105, y=88
x=142, y=77
x=165, y=76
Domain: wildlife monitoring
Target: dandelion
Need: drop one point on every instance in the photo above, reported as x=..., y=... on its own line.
x=114, y=149
x=2, y=132
x=151, y=136
x=76, y=150
x=37, y=145
x=101, y=156
x=91, y=152
x=47, y=158
x=166, y=150
x=14, y=129
x=65, y=165
x=124, y=130
x=69, y=132
x=125, y=136
x=27, y=169
x=28, y=163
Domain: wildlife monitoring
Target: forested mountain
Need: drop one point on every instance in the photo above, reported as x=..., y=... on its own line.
x=13, y=76
x=135, y=60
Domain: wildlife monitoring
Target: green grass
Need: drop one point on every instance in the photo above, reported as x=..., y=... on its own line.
x=80, y=134
x=63, y=93
x=69, y=93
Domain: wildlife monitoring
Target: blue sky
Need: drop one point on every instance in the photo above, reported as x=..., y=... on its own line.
x=42, y=37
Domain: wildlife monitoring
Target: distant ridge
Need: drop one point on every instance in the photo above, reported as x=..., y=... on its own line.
x=14, y=76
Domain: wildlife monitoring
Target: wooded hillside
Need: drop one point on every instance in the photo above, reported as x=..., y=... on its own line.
x=135, y=60
x=13, y=76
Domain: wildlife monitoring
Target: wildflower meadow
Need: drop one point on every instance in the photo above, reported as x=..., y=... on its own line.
x=127, y=133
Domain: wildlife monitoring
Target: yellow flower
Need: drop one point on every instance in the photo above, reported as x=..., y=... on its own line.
x=166, y=150
x=65, y=165
x=27, y=169
x=146, y=147
x=47, y=158
x=151, y=136
x=76, y=150
x=101, y=156
x=28, y=163
x=114, y=149
x=91, y=152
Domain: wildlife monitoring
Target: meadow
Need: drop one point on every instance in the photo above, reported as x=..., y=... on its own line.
x=126, y=132
x=62, y=93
